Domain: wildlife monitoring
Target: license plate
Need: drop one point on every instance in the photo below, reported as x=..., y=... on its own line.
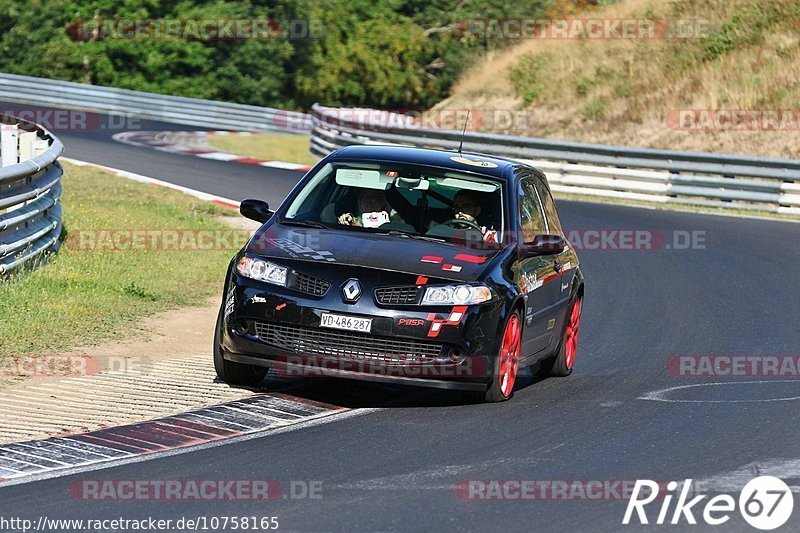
x=350, y=323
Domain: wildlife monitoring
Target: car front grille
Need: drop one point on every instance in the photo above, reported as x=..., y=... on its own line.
x=397, y=295
x=310, y=284
x=345, y=344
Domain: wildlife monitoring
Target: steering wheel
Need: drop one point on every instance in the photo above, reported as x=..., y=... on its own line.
x=454, y=222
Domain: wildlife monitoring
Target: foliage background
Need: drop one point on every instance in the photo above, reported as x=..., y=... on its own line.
x=380, y=53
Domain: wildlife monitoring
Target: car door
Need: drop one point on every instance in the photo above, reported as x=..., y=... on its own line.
x=536, y=274
x=566, y=262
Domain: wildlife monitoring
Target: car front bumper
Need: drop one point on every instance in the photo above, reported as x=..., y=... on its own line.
x=443, y=347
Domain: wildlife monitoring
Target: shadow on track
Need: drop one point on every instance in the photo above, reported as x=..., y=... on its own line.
x=354, y=394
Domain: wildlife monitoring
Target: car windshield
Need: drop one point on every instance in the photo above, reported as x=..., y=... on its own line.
x=401, y=199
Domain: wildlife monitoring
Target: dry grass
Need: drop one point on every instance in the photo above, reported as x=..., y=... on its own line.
x=624, y=91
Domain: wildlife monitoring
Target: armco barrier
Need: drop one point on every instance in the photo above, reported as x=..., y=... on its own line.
x=30, y=187
x=179, y=110
x=662, y=176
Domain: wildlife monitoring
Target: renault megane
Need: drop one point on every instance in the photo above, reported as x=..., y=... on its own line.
x=405, y=265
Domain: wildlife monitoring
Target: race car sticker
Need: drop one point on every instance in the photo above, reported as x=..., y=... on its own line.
x=451, y=268
x=230, y=303
x=294, y=249
x=474, y=161
x=454, y=319
x=258, y=300
x=421, y=280
x=469, y=258
x=551, y=324
x=529, y=282
x=435, y=259
x=281, y=306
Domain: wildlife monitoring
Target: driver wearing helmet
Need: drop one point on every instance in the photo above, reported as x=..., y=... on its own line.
x=467, y=207
x=372, y=211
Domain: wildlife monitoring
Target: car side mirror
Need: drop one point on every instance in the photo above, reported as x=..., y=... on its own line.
x=257, y=210
x=545, y=245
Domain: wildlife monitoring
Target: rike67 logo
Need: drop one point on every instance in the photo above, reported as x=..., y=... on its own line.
x=765, y=503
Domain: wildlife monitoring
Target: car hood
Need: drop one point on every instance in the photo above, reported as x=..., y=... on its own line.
x=385, y=252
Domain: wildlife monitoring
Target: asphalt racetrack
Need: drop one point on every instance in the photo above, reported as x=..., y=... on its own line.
x=398, y=467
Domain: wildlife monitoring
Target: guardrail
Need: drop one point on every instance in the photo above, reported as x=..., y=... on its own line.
x=180, y=110
x=30, y=189
x=661, y=176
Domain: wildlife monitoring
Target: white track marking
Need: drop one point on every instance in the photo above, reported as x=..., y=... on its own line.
x=432, y=478
x=281, y=164
x=219, y=156
x=734, y=480
x=660, y=395
x=315, y=420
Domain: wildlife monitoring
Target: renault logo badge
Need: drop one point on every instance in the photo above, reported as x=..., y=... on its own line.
x=351, y=290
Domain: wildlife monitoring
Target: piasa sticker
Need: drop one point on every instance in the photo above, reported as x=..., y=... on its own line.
x=410, y=322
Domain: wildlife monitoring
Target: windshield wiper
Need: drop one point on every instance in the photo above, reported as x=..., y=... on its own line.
x=398, y=233
x=305, y=223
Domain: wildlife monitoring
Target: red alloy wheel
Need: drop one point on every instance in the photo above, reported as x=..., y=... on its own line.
x=509, y=356
x=571, y=335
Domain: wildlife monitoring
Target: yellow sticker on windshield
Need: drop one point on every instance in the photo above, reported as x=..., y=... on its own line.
x=474, y=162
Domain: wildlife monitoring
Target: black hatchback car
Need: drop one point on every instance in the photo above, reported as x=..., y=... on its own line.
x=404, y=265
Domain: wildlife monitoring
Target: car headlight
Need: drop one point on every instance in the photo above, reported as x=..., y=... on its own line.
x=456, y=295
x=261, y=270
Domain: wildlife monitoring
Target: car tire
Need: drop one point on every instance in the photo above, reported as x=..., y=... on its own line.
x=562, y=363
x=506, y=364
x=230, y=371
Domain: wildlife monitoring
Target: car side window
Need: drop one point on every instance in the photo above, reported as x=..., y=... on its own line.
x=553, y=223
x=531, y=219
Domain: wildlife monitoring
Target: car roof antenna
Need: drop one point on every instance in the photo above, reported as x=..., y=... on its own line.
x=464, y=131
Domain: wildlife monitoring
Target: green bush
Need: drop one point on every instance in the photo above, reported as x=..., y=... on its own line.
x=595, y=108
x=383, y=53
x=529, y=76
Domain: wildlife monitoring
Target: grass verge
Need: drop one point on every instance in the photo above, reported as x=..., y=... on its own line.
x=267, y=146
x=84, y=296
